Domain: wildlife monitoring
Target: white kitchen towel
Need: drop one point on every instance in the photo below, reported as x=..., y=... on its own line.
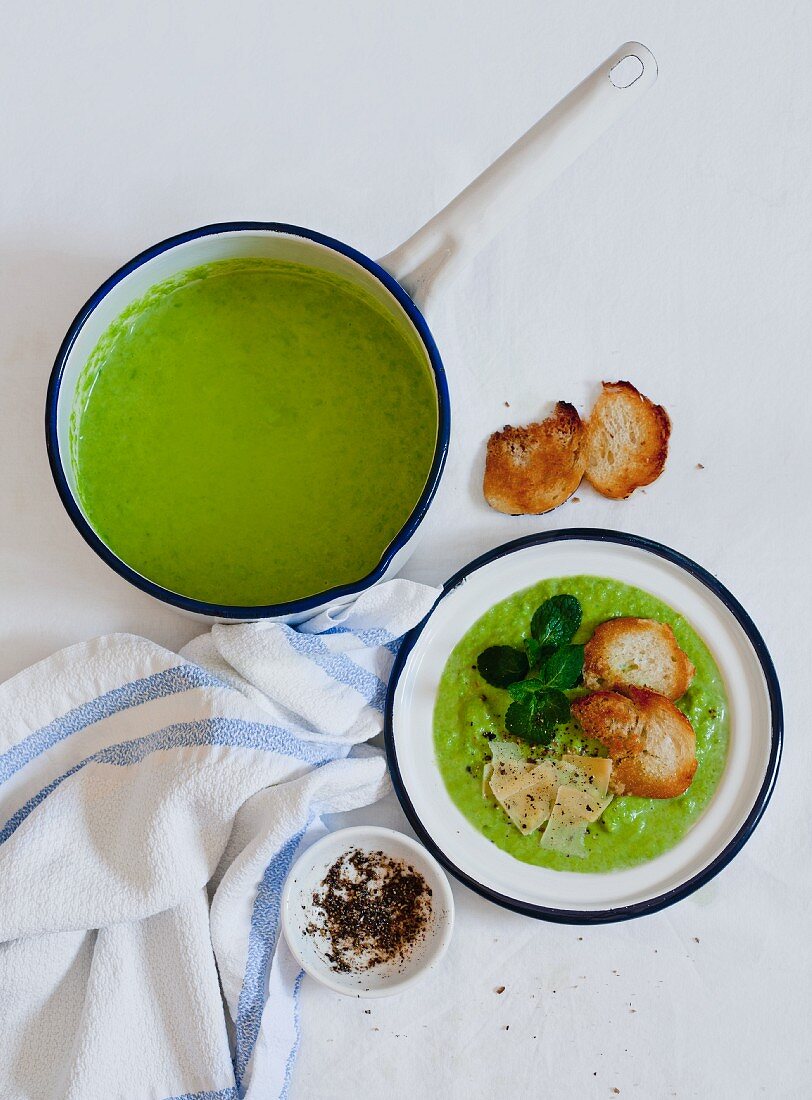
x=150, y=807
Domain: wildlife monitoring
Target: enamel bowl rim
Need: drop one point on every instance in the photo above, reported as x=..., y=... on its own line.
x=563, y=915
x=368, y=835
x=290, y=608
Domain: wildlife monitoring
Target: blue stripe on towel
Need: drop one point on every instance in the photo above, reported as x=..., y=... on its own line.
x=339, y=667
x=261, y=943
x=219, y=1094
x=294, y=1050
x=374, y=638
x=231, y=732
x=172, y=681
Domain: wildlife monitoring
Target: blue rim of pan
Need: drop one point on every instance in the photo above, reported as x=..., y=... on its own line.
x=662, y=901
x=291, y=607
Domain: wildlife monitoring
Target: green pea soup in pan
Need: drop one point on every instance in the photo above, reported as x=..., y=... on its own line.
x=253, y=430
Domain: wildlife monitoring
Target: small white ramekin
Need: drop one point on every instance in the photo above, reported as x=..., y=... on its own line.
x=298, y=912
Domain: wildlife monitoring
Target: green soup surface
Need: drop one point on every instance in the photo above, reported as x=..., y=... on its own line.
x=253, y=431
x=468, y=711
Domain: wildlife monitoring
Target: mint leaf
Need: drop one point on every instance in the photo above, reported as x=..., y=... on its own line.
x=536, y=652
x=523, y=720
x=519, y=719
x=535, y=716
x=502, y=665
x=522, y=689
x=556, y=621
x=564, y=668
x=551, y=706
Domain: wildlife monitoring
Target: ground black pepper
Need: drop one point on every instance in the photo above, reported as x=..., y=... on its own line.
x=372, y=909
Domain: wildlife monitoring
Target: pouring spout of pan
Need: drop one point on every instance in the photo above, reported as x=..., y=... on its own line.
x=433, y=255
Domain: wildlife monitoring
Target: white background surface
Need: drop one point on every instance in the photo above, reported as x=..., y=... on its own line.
x=676, y=253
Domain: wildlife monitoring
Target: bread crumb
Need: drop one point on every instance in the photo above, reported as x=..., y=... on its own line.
x=499, y=989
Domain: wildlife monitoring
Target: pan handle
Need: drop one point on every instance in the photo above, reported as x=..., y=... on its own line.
x=434, y=254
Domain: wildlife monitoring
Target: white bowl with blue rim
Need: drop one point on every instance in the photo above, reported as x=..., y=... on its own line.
x=737, y=804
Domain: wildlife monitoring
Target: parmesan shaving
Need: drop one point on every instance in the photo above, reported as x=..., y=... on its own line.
x=566, y=829
x=547, y=777
x=588, y=805
x=599, y=806
x=507, y=778
x=573, y=811
x=568, y=794
x=597, y=771
x=561, y=773
x=506, y=751
x=527, y=809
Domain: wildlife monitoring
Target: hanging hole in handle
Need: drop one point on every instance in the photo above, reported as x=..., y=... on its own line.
x=626, y=71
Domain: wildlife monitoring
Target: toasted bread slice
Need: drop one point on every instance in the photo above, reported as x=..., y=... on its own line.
x=534, y=469
x=626, y=441
x=613, y=720
x=656, y=756
x=637, y=653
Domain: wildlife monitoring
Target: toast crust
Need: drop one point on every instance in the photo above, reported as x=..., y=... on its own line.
x=626, y=441
x=534, y=469
x=631, y=652
x=656, y=756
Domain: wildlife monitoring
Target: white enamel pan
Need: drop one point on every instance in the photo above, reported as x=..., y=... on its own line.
x=403, y=282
